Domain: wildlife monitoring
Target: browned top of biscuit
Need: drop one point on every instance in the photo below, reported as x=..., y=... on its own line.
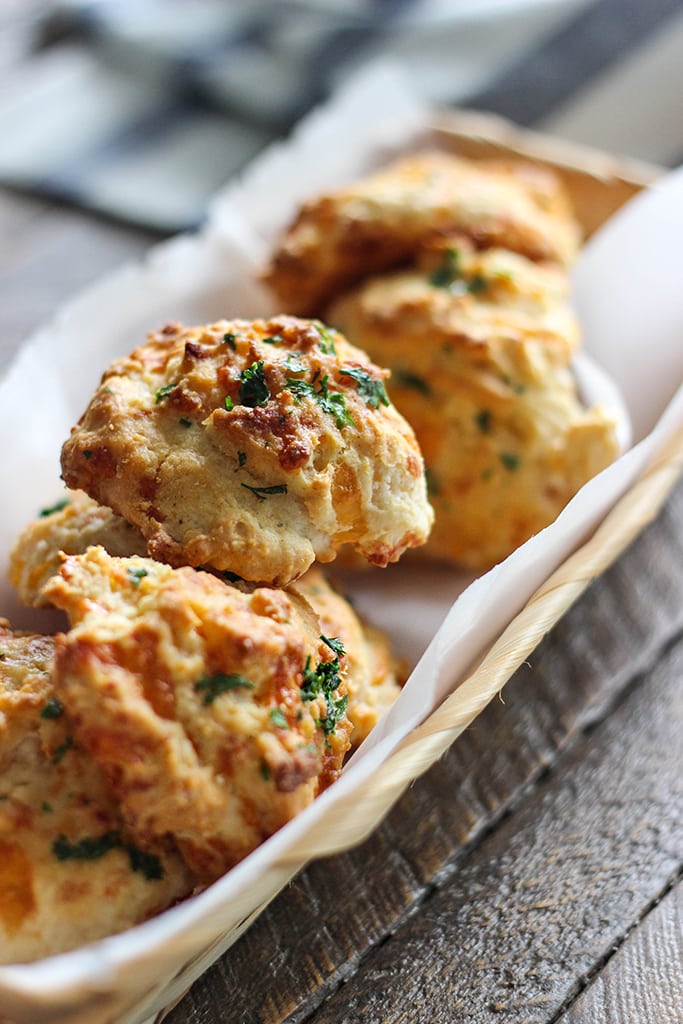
x=378, y=222
x=252, y=446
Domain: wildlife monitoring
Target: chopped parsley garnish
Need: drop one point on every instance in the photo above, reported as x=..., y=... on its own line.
x=241, y=458
x=476, y=284
x=135, y=575
x=161, y=393
x=273, y=339
x=265, y=772
x=510, y=461
x=262, y=492
x=51, y=509
x=229, y=404
x=53, y=708
x=62, y=749
x=213, y=686
x=148, y=864
x=45, y=807
x=325, y=680
x=293, y=364
x=88, y=848
x=326, y=343
x=334, y=404
x=184, y=422
x=483, y=420
x=278, y=719
x=253, y=388
x=229, y=339
x=87, y=454
x=450, y=274
x=94, y=847
x=411, y=380
x=334, y=644
x=449, y=271
x=373, y=391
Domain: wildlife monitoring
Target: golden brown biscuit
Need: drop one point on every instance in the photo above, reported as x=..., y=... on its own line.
x=379, y=222
x=254, y=447
x=372, y=672
x=216, y=715
x=479, y=346
x=71, y=526
x=69, y=874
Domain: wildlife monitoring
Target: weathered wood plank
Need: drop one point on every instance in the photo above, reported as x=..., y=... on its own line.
x=341, y=907
x=545, y=898
x=643, y=981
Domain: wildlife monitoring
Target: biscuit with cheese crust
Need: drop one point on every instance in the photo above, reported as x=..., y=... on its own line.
x=215, y=715
x=69, y=872
x=254, y=447
x=479, y=345
x=380, y=221
x=71, y=526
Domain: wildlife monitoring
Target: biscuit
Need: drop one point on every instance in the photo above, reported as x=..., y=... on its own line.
x=253, y=447
x=69, y=873
x=71, y=526
x=479, y=345
x=215, y=715
x=379, y=222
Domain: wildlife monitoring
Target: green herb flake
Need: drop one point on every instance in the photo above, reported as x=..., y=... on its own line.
x=448, y=272
x=265, y=772
x=483, y=420
x=273, y=339
x=161, y=393
x=229, y=339
x=51, y=509
x=184, y=422
x=510, y=461
x=147, y=864
x=293, y=364
x=326, y=343
x=87, y=454
x=241, y=458
x=411, y=380
x=62, y=749
x=334, y=404
x=278, y=719
x=253, y=388
x=476, y=284
x=334, y=644
x=46, y=807
x=88, y=848
x=211, y=687
x=228, y=403
x=53, y=708
x=373, y=391
x=135, y=575
x=325, y=680
x=261, y=493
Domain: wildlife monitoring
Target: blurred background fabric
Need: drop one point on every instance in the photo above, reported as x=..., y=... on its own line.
x=142, y=109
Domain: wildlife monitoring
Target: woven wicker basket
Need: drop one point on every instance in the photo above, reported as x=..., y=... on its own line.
x=598, y=185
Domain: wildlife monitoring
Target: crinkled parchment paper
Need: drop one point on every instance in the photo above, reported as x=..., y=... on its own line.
x=631, y=304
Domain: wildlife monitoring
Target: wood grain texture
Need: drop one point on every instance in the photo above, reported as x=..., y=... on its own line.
x=643, y=980
x=544, y=898
x=341, y=911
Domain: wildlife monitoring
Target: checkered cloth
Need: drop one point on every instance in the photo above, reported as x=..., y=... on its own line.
x=142, y=109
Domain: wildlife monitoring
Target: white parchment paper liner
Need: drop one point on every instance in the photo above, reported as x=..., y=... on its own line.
x=631, y=304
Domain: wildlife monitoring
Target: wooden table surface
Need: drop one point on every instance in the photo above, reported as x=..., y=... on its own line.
x=535, y=873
